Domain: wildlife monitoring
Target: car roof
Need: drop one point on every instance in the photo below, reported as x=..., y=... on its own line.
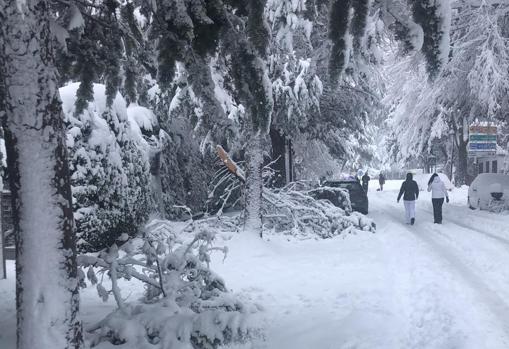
x=346, y=180
x=488, y=178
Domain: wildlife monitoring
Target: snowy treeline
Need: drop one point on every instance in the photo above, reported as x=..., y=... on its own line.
x=471, y=86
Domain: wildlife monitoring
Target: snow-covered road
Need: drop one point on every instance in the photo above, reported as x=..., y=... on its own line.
x=422, y=286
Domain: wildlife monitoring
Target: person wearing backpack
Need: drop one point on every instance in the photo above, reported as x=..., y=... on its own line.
x=410, y=192
x=438, y=193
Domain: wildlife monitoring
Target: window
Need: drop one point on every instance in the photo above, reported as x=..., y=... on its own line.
x=494, y=166
x=481, y=167
x=487, y=167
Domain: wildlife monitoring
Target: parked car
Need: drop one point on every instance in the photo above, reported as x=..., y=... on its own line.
x=358, y=197
x=488, y=189
x=339, y=197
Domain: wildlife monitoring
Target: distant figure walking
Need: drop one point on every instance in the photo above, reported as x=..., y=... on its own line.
x=410, y=192
x=438, y=193
x=365, y=181
x=381, y=181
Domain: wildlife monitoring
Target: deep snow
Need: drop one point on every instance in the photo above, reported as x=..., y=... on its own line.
x=422, y=286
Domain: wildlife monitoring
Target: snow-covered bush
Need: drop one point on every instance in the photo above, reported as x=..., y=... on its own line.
x=110, y=172
x=298, y=212
x=185, y=305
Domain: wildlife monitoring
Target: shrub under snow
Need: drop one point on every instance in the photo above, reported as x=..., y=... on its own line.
x=185, y=305
x=109, y=167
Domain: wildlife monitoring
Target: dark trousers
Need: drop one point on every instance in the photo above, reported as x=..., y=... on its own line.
x=365, y=186
x=437, y=209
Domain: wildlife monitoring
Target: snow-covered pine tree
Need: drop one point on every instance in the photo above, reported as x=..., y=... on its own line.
x=421, y=26
x=249, y=49
x=361, y=10
x=47, y=298
x=435, y=19
x=97, y=177
x=296, y=87
x=109, y=169
x=339, y=23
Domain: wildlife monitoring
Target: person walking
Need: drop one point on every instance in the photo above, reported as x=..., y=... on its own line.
x=381, y=181
x=365, y=181
x=438, y=193
x=410, y=192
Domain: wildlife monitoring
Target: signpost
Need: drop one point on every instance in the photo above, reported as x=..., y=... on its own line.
x=482, y=140
x=3, y=274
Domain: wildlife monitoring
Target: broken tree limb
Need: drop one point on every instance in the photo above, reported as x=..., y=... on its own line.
x=230, y=164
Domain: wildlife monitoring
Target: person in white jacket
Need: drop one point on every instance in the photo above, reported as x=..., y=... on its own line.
x=438, y=193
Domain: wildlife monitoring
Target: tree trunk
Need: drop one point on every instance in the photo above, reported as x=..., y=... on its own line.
x=47, y=297
x=462, y=163
x=254, y=184
x=278, y=157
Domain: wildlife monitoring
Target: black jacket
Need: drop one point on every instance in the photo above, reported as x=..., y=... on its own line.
x=409, y=190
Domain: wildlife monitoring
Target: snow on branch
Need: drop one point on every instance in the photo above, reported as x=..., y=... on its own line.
x=301, y=211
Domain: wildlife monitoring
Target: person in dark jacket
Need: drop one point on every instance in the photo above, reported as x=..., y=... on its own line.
x=381, y=181
x=365, y=181
x=410, y=192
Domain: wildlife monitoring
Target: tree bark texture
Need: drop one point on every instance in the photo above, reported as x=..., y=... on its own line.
x=47, y=297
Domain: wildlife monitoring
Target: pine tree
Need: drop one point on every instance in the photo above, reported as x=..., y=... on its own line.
x=339, y=22
x=249, y=72
x=110, y=172
x=359, y=22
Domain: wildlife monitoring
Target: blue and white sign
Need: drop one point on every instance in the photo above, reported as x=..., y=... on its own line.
x=482, y=140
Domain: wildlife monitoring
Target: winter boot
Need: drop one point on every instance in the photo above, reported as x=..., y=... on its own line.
x=412, y=221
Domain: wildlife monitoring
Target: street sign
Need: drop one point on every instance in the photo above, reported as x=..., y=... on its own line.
x=482, y=146
x=490, y=130
x=482, y=140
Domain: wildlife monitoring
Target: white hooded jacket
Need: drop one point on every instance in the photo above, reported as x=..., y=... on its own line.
x=437, y=189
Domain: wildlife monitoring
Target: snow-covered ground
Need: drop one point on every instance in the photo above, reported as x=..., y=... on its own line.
x=422, y=286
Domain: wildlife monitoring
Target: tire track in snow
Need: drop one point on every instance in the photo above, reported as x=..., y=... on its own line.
x=496, y=305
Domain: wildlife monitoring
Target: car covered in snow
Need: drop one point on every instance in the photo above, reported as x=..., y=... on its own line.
x=358, y=196
x=489, y=190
